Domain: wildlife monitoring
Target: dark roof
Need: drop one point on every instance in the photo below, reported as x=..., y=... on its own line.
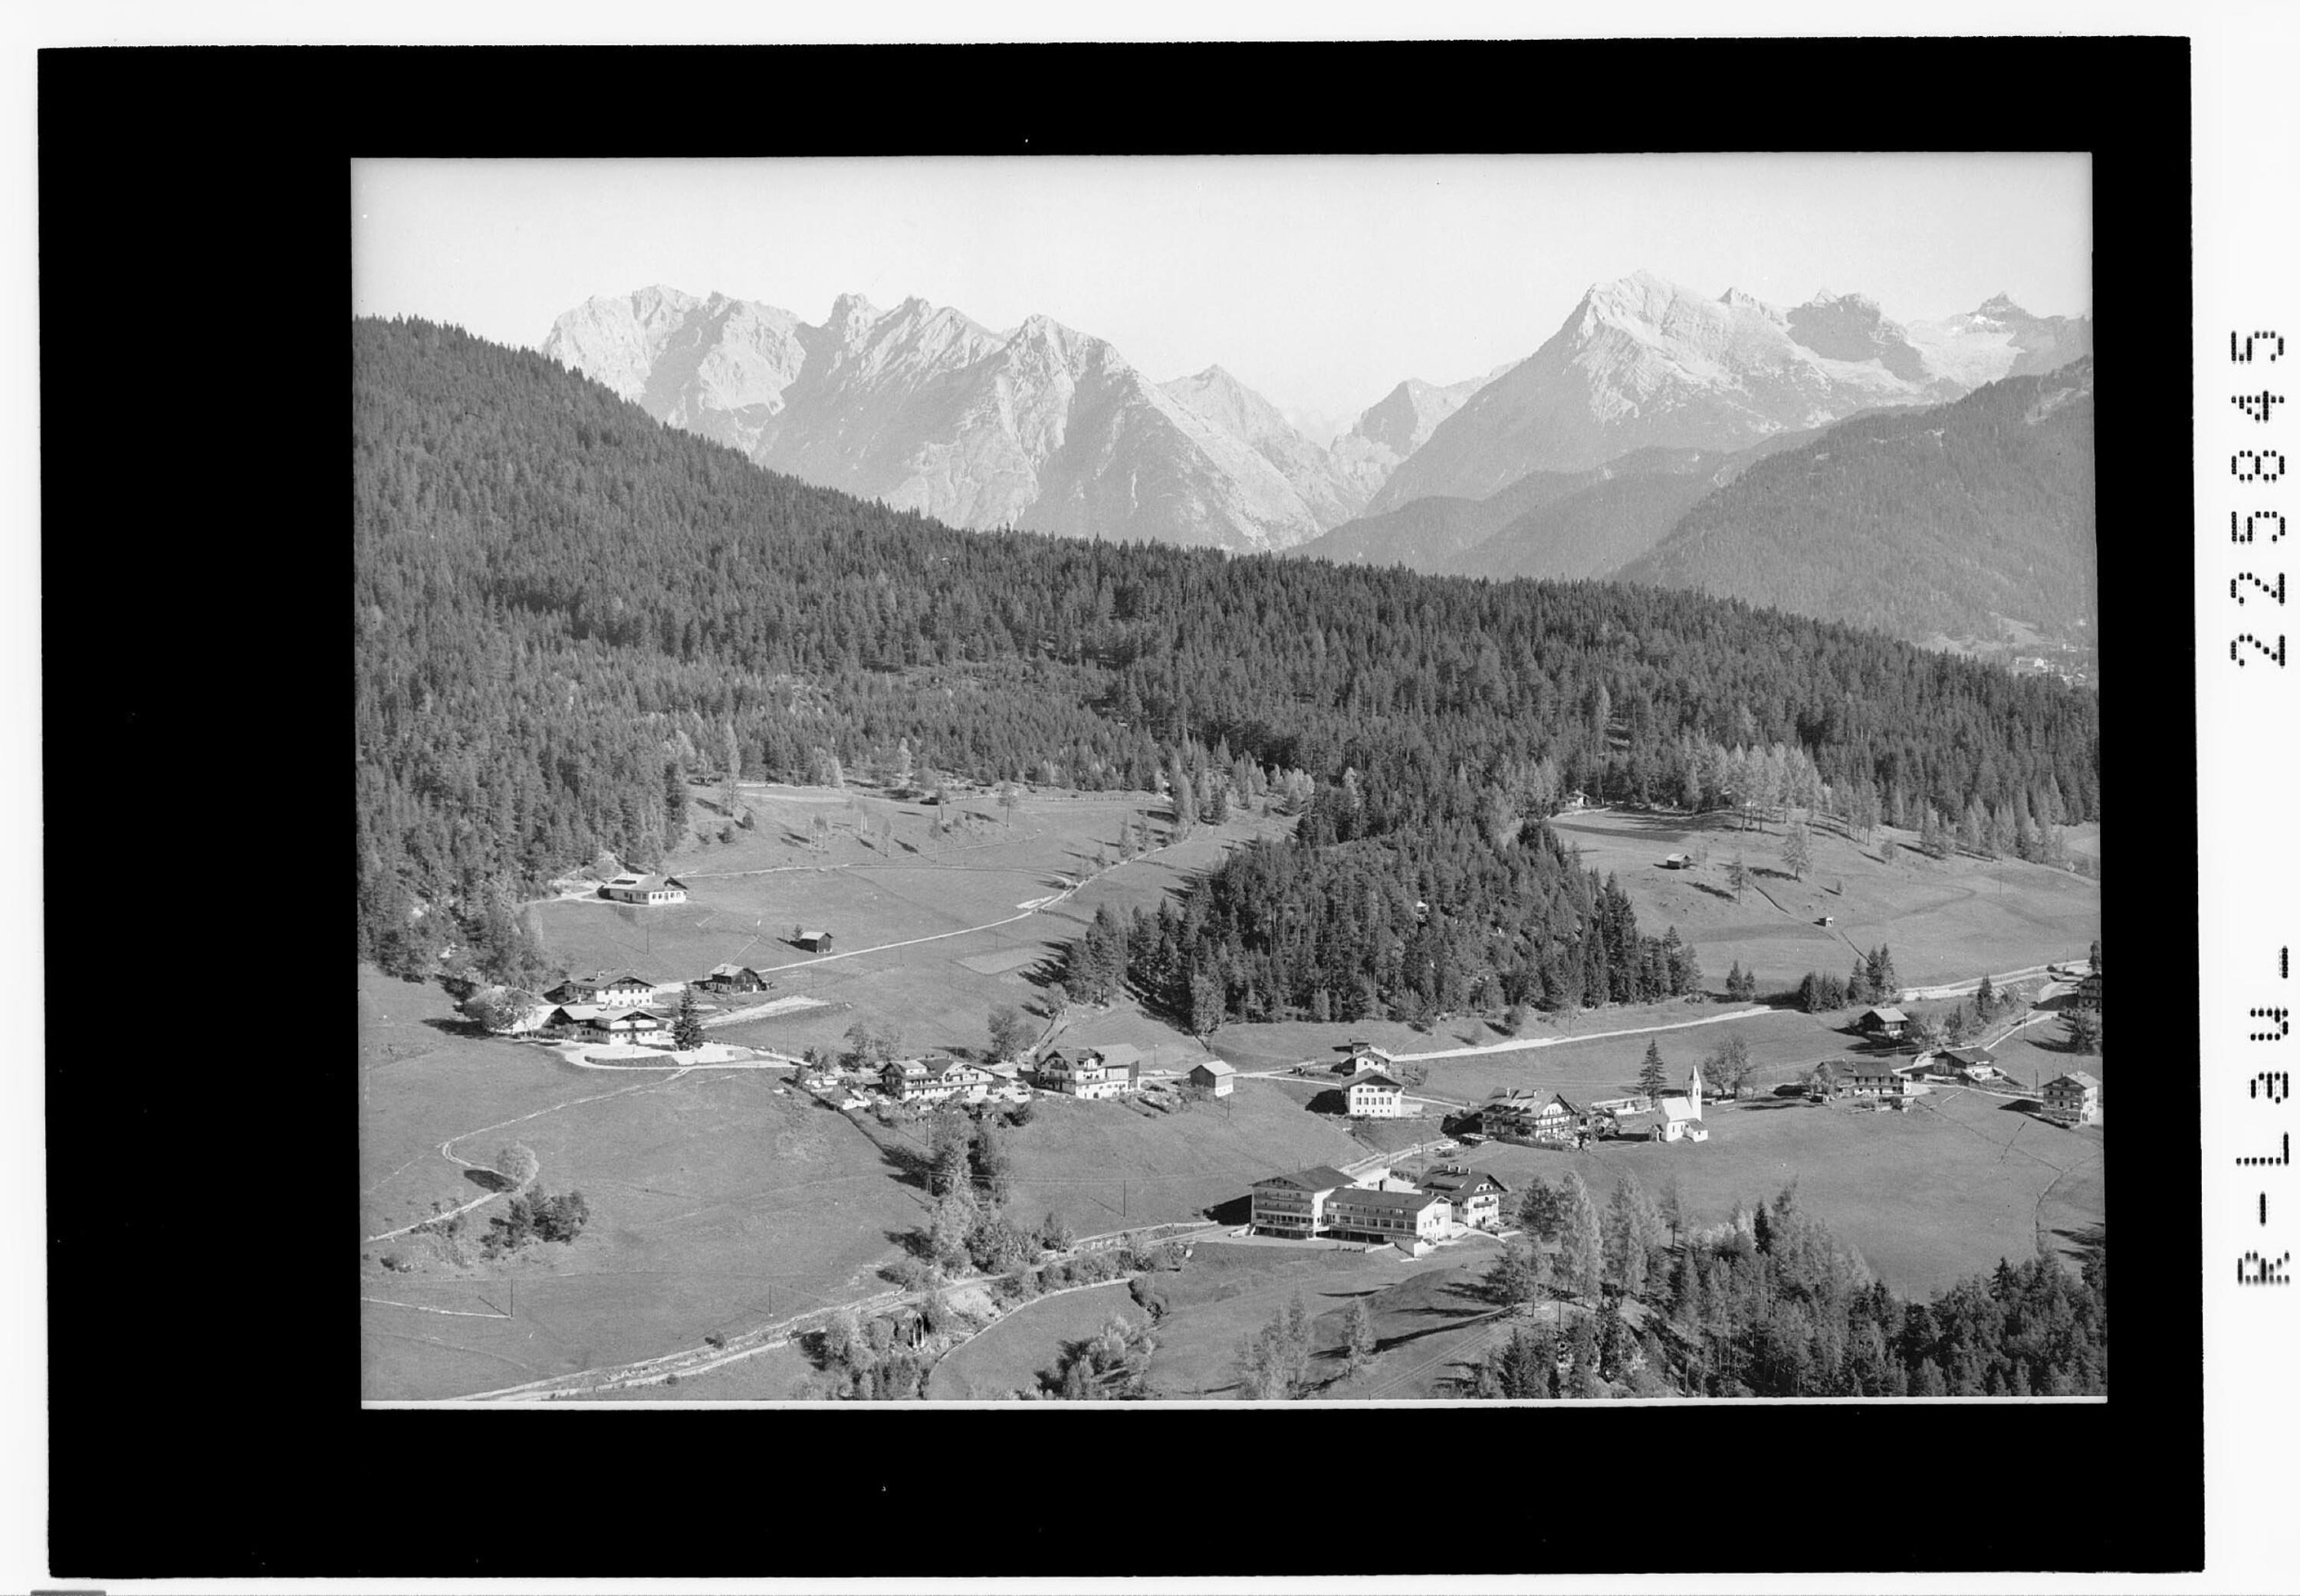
x=2075, y=1077
x=1317, y=1177
x=1969, y=1055
x=1454, y=1181
x=1403, y=1202
x=1373, y=1077
x=1890, y=1014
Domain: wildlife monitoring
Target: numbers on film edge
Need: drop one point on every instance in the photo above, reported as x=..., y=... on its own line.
x=2256, y=465
x=2256, y=1268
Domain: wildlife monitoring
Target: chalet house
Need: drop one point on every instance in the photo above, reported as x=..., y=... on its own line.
x=569, y=1019
x=1295, y=1205
x=1973, y=1063
x=733, y=978
x=1677, y=861
x=933, y=1079
x=1360, y=1058
x=2088, y=992
x=815, y=942
x=1887, y=1023
x=1089, y=1075
x=644, y=889
x=1870, y=1077
x=2072, y=1099
x=1214, y=1075
x=1361, y=1215
x=1120, y=1060
x=1476, y=1196
x=1375, y=1096
x=625, y=1025
x=604, y=990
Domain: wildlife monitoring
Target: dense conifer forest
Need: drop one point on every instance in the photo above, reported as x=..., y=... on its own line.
x=1770, y=1304
x=562, y=607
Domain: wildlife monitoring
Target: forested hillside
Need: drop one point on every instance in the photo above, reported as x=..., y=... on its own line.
x=562, y=607
x=1915, y=522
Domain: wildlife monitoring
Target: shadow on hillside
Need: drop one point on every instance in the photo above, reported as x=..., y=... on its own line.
x=1238, y=1210
x=1715, y=892
x=1330, y=1102
x=470, y=1028
x=488, y=1180
x=2085, y=1235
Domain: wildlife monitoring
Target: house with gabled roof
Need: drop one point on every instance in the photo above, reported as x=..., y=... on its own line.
x=935, y=1078
x=1215, y=1075
x=1090, y=1076
x=1886, y=1022
x=1475, y=1195
x=733, y=978
x=625, y=1025
x=604, y=989
x=2072, y=1099
x=1375, y=1096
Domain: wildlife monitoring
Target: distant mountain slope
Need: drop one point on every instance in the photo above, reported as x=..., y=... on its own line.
x=1998, y=340
x=1399, y=423
x=1643, y=362
x=1423, y=535
x=1331, y=494
x=1628, y=506
x=1042, y=427
x=1916, y=523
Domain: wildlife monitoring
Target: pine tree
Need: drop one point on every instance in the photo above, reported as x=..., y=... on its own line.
x=1652, y=1078
x=687, y=1030
x=1796, y=849
x=1737, y=876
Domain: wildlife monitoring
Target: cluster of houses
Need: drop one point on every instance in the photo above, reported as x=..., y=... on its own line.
x=1552, y=1120
x=1323, y=1201
x=618, y=1006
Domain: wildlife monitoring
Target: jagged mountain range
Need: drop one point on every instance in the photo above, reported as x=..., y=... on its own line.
x=1572, y=462
x=1645, y=362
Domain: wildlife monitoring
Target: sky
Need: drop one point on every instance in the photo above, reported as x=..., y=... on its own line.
x=1319, y=281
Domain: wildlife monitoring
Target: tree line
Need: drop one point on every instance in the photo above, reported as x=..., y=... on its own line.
x=563, y=609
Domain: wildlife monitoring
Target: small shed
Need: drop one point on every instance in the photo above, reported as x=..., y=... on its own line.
x=815, y=942
x=1677, y=861
x=1214, y=1075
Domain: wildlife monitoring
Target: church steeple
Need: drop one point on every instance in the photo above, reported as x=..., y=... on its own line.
x=1693, y=1091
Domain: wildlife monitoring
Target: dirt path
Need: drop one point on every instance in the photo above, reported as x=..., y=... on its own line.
x=1519, y=1043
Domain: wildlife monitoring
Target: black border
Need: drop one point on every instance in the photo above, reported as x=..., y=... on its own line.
x=194, y=275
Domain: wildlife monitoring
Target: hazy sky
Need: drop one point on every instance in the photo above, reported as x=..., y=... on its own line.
x=1320, y=282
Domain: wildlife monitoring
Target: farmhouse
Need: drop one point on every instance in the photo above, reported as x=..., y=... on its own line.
x=1364, y=1216
x=1873, y=1077
x=1214, y=1075
x=608, y=991
x=1882, y=1022
x=1973, y=1063
x=1375, y=1096
x=624, y=1025
x=1358, y=1058
x=1476, y=1196
x=644, y=889
x=1089, y=1075
x=2072, y=1099
x=733, y=978
x=1295, y=1205
x=936, y=1078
